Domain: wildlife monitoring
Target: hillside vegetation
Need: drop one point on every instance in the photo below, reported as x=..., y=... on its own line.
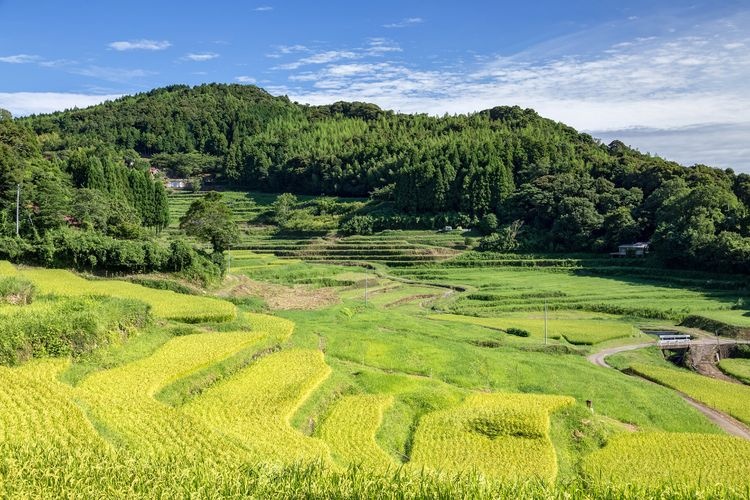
x=522, y=179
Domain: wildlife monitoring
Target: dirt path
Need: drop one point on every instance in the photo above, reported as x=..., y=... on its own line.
x=722, y=420
x=278, y=297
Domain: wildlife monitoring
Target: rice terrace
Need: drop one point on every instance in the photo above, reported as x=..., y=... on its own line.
x=360, y=250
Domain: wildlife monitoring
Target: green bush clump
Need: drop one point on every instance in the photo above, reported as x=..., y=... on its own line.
x=518, y=332
x=16, y=290
x=252, y=304
x=68, y=326
x=359, y=224
x=88, y=250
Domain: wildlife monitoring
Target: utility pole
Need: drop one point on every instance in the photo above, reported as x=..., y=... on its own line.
x=229, y=263
x=18, y=204
x=545, y=321
x=366, y=276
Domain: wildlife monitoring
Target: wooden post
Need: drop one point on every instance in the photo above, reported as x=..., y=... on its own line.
x=545, y=321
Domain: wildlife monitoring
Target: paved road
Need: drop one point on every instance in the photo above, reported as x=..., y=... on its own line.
x=598, y=357
x=722, y=420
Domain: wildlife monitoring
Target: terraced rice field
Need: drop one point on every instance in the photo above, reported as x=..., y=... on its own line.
x=499, y=290
x=583, y=331
x=681, y=460
x=164, y=303
x=392, y=248
x=733, y=399
x=416, y=386
x=736, y=367
x=244, y=206
x=350, y=428
x=255, y=406
x=501, y=435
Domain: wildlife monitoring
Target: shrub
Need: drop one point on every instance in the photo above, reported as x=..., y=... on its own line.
x=518, y=332
x=68, y=326
x=13, y=249
x=359, y=224
x=16, y=290
x=488, y=224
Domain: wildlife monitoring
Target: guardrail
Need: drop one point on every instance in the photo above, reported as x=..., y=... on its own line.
x=674, y=340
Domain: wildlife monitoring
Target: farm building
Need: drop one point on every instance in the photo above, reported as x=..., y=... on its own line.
x=177, y=183
x=631, y=250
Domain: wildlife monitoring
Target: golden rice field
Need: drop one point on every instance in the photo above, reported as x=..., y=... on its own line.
x=255, y=406
x=7, y=269
x=656, y=459
x=733, y=399
x=349, y=431
x=501, y=435
x=164, y=303
x=247, y=429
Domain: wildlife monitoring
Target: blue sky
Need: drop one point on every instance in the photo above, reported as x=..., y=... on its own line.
x=671, y=78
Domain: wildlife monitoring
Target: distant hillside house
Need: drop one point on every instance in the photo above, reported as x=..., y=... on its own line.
x=631, y=250
x=177, y=183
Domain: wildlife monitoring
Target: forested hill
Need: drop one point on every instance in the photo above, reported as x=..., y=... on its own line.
x=571, y=191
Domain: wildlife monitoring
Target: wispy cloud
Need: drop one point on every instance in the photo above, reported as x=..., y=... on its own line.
x=20, y=59
x=263, y=8
x=319, y=58
x=375, y=47
x=140, y=45
x=283, y=50
x=201, y=56
x=117, y=75
x=26, y=103
x=405, y=23
x=245, y=79
x=57, y=63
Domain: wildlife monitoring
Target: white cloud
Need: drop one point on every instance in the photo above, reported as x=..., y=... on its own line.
x=140, y=45
x=26, y=103
x=405, y=23
x=245, y=79
x=202, y=56
x=20, y=59
x=263, y=8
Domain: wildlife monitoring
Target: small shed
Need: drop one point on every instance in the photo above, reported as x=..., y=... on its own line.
x=639, y=249
x=177, y=183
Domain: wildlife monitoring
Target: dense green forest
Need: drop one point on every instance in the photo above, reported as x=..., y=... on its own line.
x=526, y=181
x=90, y=207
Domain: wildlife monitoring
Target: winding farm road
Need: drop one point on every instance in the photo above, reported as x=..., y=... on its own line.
x=722, y=420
